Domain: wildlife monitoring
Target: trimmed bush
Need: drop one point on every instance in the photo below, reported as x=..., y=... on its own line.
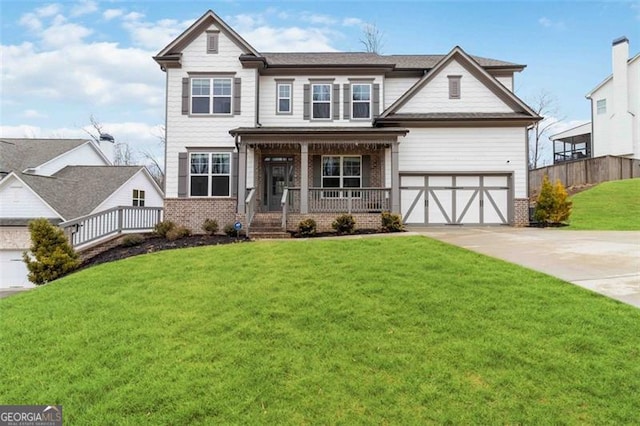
x=163, y=227
x=230, y=230
x=391, y=222
x=177, y=232
x=50, y=256
x=210, y=226
x=553, y=205
x=344, y=224
x=307, y=227
x=131, y=240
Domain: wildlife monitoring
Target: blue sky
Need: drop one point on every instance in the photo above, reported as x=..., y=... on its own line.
x=63, y=61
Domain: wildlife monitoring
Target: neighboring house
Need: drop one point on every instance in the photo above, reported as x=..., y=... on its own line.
x=440, y=139
x=615, y=106
x=60, y=180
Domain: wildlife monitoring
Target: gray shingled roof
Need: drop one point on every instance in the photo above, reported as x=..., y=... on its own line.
x=456, y=116
x=19, y=154
x=76, y=190
x=369, y=59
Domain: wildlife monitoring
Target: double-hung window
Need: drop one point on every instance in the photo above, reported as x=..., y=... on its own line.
x=341, y=172
x=284, y=98
x=210, y=174
x=138, y=198
x=321, y=101
x=361, y=101
x=211, y=96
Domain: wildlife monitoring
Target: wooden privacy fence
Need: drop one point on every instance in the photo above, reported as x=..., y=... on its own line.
x=586, y=171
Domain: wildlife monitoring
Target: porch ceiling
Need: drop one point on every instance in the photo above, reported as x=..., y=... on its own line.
x=319, y=134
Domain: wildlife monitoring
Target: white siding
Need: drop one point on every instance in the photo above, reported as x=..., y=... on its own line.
x=466, y=150
x=17, y=200
x=184, y=131
x=434, y=96
x=394, y=88
x=507, y=81
x=84, y=155
x=268, y=116
x=602, y=123
x=123, y=196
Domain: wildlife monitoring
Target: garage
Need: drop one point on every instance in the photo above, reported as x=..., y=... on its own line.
x=456, y=199
x=13, y=271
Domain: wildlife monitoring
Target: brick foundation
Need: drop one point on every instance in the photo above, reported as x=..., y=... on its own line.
x=324, y=220
x=191, y=212
x=521, y=212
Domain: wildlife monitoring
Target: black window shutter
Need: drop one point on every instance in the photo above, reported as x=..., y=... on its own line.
x=376, y=100
x=234, y=175
x=317, y=171
x=346, y=104
x=183, y=167
x=185, y=96
x=306, y=102
x=336, y=102
x=236, y=96
x=366, y=171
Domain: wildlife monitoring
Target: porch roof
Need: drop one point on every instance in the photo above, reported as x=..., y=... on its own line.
x=310, y=132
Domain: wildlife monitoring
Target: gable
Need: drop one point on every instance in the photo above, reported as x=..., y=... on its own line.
x=195, y=56
x=84, y=155
x=475, y=96
x=123, y=196
x=18, y=200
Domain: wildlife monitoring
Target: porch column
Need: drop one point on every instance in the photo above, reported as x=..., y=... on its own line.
x=395, y=179
x=242, y=177
x=304, y=178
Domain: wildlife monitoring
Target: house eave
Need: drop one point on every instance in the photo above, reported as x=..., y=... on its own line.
x=314, y=132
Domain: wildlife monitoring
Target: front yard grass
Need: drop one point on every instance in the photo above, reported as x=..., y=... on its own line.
x=398, y=330
x=609, y=206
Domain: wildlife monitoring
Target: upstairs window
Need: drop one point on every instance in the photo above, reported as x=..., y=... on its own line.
x=321, y=101
x=361, y=101
x=211, y=96
x=138, y=198
x=601, y=105
x=210, y=174
x=284, y=98
x=454, y=86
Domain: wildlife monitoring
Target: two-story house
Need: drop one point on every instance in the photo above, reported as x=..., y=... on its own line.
x=440, y=139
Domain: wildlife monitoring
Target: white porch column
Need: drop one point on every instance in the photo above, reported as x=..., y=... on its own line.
x=304, y=178
x=242, y=177
x=395, y=179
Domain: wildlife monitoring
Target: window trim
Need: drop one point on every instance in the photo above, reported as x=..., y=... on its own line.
x=210, y=173
x=138, y=198
x=601, y=106
x=342, y=177
x=370, y=102
x=284, y=83
x=211, y=95
x=330, y=101
x=455, y=83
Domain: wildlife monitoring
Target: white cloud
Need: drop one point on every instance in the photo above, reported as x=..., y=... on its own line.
x=352, y=22
x=31, y=22
x=59, y=35
x=292, y=39
x=154, y=35
x=48, y=10
x=316, y=18
x=109, y=14
x=548, y=23
x=84, y=7
x=32, y=113
x=133, y=16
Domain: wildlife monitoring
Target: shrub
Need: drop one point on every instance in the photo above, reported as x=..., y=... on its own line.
x=177, y=232
x=163, y=227
x=391, y=222
x=131, y=240
x=50, y=256
x=210, y=226
x=552, y=205
x=344, y=224
x=230, y=230
x=307, y=227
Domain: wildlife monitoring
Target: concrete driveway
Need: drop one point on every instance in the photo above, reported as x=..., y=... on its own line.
x=607, y=262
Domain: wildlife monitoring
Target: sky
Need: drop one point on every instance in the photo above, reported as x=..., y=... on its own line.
x=63, y=62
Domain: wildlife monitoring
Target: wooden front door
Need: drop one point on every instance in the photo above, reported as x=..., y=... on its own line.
x=278, y=175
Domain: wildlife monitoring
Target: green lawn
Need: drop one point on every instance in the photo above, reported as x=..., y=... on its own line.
x=608, y=206
x=401, y=330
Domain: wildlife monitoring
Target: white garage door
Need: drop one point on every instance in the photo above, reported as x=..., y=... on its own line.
x=13, y=271
x=482, y=199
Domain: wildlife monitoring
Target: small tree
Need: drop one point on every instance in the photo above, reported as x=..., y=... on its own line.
x=50, y=256
x=553, y=205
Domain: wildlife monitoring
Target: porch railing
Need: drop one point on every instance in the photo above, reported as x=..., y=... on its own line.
x=337, y=200
x=250, y=203
x=113, y=221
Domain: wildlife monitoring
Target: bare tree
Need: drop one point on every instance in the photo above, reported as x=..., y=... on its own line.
x=372, y=38
x=154, y=163
x=546, y=106
x=122, y=153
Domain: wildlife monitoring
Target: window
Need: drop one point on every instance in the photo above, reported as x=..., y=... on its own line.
x=138, y=198
x=454, y=86
x=341, y=172
x=361, y=101
x=601, y=105
x=210, y=174
x=211, y=96
x=321, y=101
x=284, y=98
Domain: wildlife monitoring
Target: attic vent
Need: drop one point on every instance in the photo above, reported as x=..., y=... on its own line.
x=454, y=86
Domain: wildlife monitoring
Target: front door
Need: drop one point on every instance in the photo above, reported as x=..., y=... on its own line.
x=278, y=176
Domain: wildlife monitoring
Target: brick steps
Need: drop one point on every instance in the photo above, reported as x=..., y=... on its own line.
x=267, y=226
